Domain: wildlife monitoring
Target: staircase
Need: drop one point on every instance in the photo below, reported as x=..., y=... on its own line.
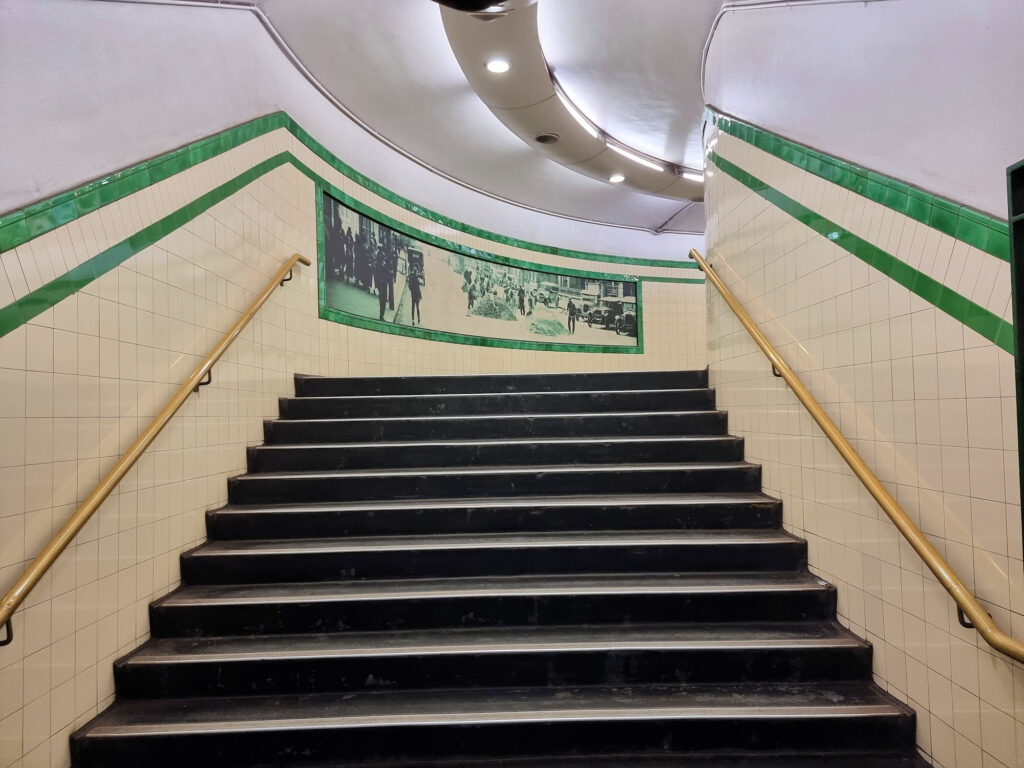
x=566, y=570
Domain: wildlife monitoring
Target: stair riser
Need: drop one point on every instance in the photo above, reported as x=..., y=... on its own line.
x=223, y=568
x=612, y=425
x=397, y=743
x=257, y=489
x=278, y=459
x=554, y=402
x=625, y=667
x=305, y=523
x=555, y=382
x=477, y=611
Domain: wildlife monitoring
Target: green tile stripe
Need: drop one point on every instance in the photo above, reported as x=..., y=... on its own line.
x=979, y=319
x=38, y=301
x=371, y=324
x=23, y=225
x=987, y=233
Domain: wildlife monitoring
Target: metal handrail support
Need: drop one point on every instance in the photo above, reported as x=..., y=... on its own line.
x=32, y=575
x=966, y=602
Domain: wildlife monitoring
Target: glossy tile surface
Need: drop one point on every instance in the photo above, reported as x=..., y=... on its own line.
x=906, y=352
x=80, y=379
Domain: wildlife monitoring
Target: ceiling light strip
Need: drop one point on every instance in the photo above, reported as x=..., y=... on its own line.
x=615, y=145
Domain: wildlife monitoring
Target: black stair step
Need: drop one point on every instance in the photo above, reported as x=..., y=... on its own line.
x=293, y=608
x=512, y=656
x=491, y=426
x=836, y=717
x=503, y=403
x=720, y=759
x=490, y=554
x=526, y=513
x=465, y=453
x=445, y=482
x=318, y=386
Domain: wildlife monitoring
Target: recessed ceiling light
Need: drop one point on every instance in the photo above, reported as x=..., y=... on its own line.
x=635, y=157
x=498, y=66
x=577, y=115
x=692, y=176
x=493, y=9
x=615, y=178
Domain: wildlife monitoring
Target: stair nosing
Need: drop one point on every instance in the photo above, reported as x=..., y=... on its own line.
x=510, y=502
x=496, y=541
x=519, y=705
x=480, y=416
x=513, y=469
x=553, y=392
x=459, y=443
x=512, y=640
x=495, y=586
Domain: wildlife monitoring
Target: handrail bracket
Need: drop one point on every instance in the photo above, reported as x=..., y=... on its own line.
x=9, y=626
x=205, y=381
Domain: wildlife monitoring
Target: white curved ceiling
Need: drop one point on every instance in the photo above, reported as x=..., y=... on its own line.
x=633, y=68
x=391, y=65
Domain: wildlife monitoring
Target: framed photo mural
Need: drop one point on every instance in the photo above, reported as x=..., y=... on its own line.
x=377, y=276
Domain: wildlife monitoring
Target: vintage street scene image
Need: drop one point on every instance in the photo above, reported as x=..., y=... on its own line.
x=373, y=271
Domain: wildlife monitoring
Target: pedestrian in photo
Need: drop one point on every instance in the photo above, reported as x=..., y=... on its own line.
x=415, y=293
x=571, y=312
x=522, y=302
x=383, y=278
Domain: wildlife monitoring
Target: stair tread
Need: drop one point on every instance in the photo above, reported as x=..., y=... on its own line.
x=495, y=705
x=421, y=542
x=482, y=416
x=518, y=639
x=507, y=469
x=555, y=392
x=705, y=497
x=506, y=442
x=575, y=584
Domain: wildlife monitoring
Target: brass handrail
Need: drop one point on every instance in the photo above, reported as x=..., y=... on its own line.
x=966, y=602
x=17, y=593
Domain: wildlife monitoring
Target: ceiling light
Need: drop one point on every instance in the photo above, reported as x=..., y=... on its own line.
x=615, y=178
x=498, y=66
x=577, y=115
x=635, y=157
x=493, y=9
x=693, y=176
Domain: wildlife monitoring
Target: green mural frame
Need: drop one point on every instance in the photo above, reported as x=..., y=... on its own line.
x=366, y=323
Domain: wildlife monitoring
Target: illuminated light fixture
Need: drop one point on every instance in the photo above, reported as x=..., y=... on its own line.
x=498, y=66
x=578, y=116
x=493, y=9
x=635, y=157
x=615, y=178
x=693, y=176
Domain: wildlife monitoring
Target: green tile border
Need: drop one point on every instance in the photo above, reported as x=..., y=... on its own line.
x=41, y=299
x=371, y=324
x=976, y=317
x=38, y=301
x=23, y=225
x=987, y=233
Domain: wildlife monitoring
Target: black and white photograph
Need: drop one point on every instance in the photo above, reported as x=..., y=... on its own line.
x=373, y=271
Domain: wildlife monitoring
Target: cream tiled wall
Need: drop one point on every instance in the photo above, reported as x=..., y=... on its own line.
x=79, y=382
x=926, y=401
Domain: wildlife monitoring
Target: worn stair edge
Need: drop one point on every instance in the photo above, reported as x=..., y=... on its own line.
x=498, y=382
